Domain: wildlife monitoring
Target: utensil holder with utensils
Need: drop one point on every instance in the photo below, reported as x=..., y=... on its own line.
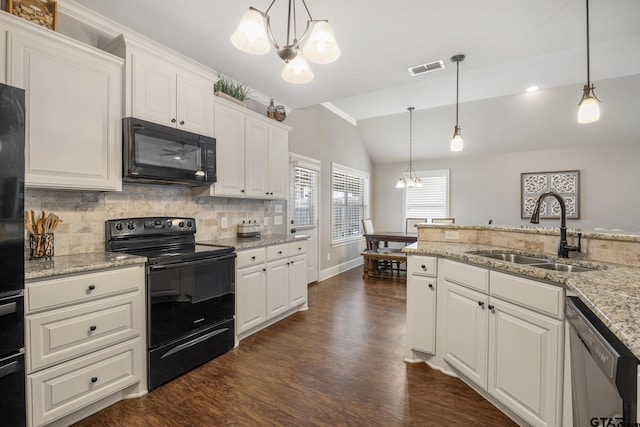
x=41, y=246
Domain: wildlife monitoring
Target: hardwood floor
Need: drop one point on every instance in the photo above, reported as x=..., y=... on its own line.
x=339, y=363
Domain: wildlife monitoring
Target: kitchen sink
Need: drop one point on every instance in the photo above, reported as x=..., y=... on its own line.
x=515, y=258
x=568, y=268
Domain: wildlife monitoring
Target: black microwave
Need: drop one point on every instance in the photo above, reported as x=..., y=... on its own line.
x=161, y=154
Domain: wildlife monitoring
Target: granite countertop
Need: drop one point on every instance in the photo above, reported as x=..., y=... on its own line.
x=81, y=263
x=241, y=243
x=611, y=291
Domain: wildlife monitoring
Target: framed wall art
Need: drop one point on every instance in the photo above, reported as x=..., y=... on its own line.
x=565, y=183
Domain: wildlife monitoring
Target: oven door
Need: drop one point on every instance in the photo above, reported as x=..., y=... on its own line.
x=154, y=152
x=186, y=296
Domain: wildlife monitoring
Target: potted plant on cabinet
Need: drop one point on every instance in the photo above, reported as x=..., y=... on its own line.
x=231, y=90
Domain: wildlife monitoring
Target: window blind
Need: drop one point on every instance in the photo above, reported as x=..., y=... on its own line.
x=350, y=202
x=305, y=211
x=432, y=199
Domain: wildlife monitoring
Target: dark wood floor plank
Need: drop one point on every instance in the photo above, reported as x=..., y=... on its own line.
x=338, y=364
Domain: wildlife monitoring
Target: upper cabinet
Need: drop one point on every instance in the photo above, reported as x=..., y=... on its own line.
x=73, y=107
x=252, y=155
x=164, y=91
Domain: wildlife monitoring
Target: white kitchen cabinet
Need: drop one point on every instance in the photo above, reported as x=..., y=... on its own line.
x=162, y=89
x=421, y=303
x=508, y=340
x=466, y=327
x=84, y=343
x=73, y=108
x=252, y=155
x=271, y=283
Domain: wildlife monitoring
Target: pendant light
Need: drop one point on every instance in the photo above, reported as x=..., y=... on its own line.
x=457, y=142
x=253, y=35
x=409, y=177
x=588, y=108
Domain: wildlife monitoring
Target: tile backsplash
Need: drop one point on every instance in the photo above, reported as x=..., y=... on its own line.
x=84, y=213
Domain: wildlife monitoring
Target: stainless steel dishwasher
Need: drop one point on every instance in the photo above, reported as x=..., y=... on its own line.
x=603, y=371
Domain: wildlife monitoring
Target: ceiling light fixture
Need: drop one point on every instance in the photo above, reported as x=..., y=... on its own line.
x=457, y=142
x=588, y=109
x=409, y=177
x=532, y=89
x=253, y=35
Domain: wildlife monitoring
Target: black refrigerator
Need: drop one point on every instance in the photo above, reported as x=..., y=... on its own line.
x=12, y=373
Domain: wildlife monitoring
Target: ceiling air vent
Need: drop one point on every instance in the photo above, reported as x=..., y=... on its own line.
x=426, y=68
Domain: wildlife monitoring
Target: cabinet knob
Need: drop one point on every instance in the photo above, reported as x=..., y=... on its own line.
x=279, y=252
x=264, y=269
x=173, y=120
x=430, y=285
x=271, y=194
x=181, y=122
x=253, y=258
x=242, y=191
x=424, y=267
x=94, y=379
x=91, y=287
x=92, y=328
x=267, y=193
x=491, y=307
x=481, y=304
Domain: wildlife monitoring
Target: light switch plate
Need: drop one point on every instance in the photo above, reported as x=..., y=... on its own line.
x=223, y=222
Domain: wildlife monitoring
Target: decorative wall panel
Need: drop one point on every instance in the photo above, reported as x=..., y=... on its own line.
x=565, y=183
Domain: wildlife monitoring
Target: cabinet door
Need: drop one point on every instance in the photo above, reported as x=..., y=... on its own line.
x=297, y=281
x=195, y=103
x=278, y=163
x=421, y=312
x=525, y=363
x=154, y=90
x=229, y=133
x=251, y=289
x=73, y=109
x=277, y=287
x=256, y=158
x=466, y=332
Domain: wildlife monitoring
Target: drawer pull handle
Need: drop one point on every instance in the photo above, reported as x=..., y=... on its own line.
x=94, y=379
x=92, y=328
x=91, y=287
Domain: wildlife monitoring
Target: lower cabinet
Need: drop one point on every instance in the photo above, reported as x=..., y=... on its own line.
x=85, y=343
x=421, y=303
x=503, y=333
x=271, y=282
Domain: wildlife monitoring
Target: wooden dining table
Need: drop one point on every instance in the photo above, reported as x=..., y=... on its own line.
x=376, y=257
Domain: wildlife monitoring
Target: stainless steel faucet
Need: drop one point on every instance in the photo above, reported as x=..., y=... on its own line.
x=563, y=247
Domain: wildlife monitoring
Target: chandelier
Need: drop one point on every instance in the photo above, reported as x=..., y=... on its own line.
x=588, y=109
x=409, y=176
x=253, y=35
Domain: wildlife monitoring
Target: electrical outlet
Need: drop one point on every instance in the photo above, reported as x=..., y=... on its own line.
x=277, y=220
x=451, y=235
x=223, y=222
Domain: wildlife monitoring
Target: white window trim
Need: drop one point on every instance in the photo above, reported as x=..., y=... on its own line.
x=426, y=174
x=336, y=167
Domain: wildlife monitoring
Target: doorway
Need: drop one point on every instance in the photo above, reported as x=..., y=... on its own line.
x=304, y=176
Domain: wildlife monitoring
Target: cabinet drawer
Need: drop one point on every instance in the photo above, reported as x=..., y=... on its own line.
x=84, y=287
x=251, y=257
x=277, y=251
x=58, y=335
x=420, y=265
x=298, y=247
x=67, y=387
x=466, y=275
x=547, y=299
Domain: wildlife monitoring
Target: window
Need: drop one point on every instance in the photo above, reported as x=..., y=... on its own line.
x=305, y=211
x=432, y=199
x=349, y=204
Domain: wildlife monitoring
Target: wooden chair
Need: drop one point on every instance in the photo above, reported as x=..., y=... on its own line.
x=376, y=257
x=411, y=223
x=443, y=220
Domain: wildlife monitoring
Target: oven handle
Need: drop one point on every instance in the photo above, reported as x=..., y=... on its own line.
x=179, y=264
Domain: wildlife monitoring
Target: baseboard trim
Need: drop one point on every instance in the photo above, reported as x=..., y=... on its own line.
x=340, y=268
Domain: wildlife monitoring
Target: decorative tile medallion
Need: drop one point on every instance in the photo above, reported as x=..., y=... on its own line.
x=565, y=183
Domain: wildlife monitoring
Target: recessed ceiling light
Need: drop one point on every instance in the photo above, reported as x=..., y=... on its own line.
x=532, y=88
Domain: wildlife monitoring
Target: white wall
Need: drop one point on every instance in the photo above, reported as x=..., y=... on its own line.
x=488, y=187
x=322, y=135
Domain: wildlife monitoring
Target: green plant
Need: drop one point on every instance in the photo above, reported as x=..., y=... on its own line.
x=232, y=88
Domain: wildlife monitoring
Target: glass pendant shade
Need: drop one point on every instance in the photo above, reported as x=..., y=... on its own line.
x=297, y=70
x=589, y=110
x=321, y=46
x=457, y=142
x=401, y=183
x=251, y=34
